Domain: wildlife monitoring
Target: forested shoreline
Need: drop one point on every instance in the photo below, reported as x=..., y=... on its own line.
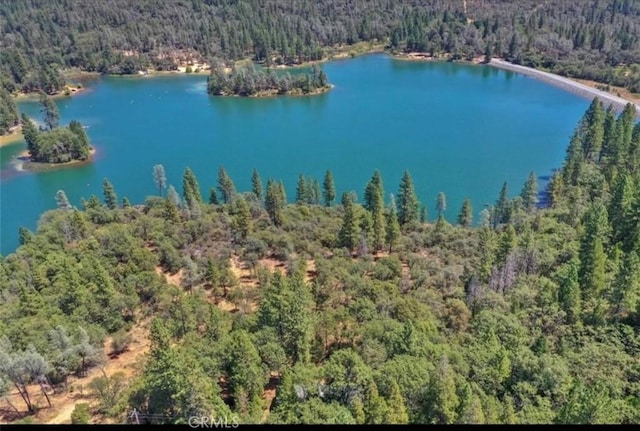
x=371, y=311
x=590, y=39
x=249, y=82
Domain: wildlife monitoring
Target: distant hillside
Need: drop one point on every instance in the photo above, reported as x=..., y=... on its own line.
x=590, y=39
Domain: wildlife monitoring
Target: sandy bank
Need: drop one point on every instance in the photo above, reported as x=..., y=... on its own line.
x=69, y=90
x=275, y=93
x=23, y=163
x=566, y=84
x=14, y=136
x=424, y=56
x=338, y=52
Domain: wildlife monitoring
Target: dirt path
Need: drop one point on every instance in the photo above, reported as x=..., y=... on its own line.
x=127, y=363
x=63, y=403
x=64, y=416
x=174, y=279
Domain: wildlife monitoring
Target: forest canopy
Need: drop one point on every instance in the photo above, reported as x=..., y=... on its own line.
x=588, y=39
x=250, y=82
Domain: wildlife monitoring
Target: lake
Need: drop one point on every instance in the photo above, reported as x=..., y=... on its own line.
x=458, y=128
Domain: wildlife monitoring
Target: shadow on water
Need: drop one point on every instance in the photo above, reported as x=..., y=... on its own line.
x=488, y=71
x=232, y=106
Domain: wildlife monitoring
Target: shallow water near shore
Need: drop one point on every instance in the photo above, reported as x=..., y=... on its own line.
x=458, y=128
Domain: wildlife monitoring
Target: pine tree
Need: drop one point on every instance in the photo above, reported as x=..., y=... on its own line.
x=328, y=189
x=569, y=293
x=349, y=232
x=555, y=189
x=191, y=189
x=374, y=186
x=61, y=200
x=92, y=203
x=213, y=197
x=471, y=408
x=442, y=400
x=298, y=327
x=246, y=378
x=357, y=410
x=375, y=407
x=397, y=408
x=173, y=197
x=610, y=142
x=508, y=242
x=314, y=191
x=126, y=203
x=625, y=297
x=407, y=200
x=256, y=184
x=242, y=217
x=24, y=235
x=110, y=197
x=274, y=202
x=375, y=205
x=627, y=121
x=508, y=411
x=282, y=193
x=502, y=211
x=393, y=225
x=621, y=209
x=593, y=125
x=79, y=148
x=592, y=256
x=159, y=178
x=50, y=111
x=465, y=218
x=301, y=190
x=31, y=136
x=225, y=186
x=529, y=193
x=573, y=162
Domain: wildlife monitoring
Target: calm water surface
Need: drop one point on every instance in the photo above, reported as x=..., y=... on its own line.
x=459, y=129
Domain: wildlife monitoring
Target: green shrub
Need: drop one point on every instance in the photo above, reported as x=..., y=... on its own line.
x=120, y=342
x=80, y=414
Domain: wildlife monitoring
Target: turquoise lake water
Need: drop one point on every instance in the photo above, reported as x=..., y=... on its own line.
x=460, y=129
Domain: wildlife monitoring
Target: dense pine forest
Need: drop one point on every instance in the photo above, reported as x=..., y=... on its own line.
x=251, y=82
x=40, y=39
x=345, y=309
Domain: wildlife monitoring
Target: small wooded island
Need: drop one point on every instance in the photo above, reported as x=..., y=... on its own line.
x=249, y=82
x=51, y=144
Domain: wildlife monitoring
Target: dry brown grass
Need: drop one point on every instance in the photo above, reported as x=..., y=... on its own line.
x=63, y=403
